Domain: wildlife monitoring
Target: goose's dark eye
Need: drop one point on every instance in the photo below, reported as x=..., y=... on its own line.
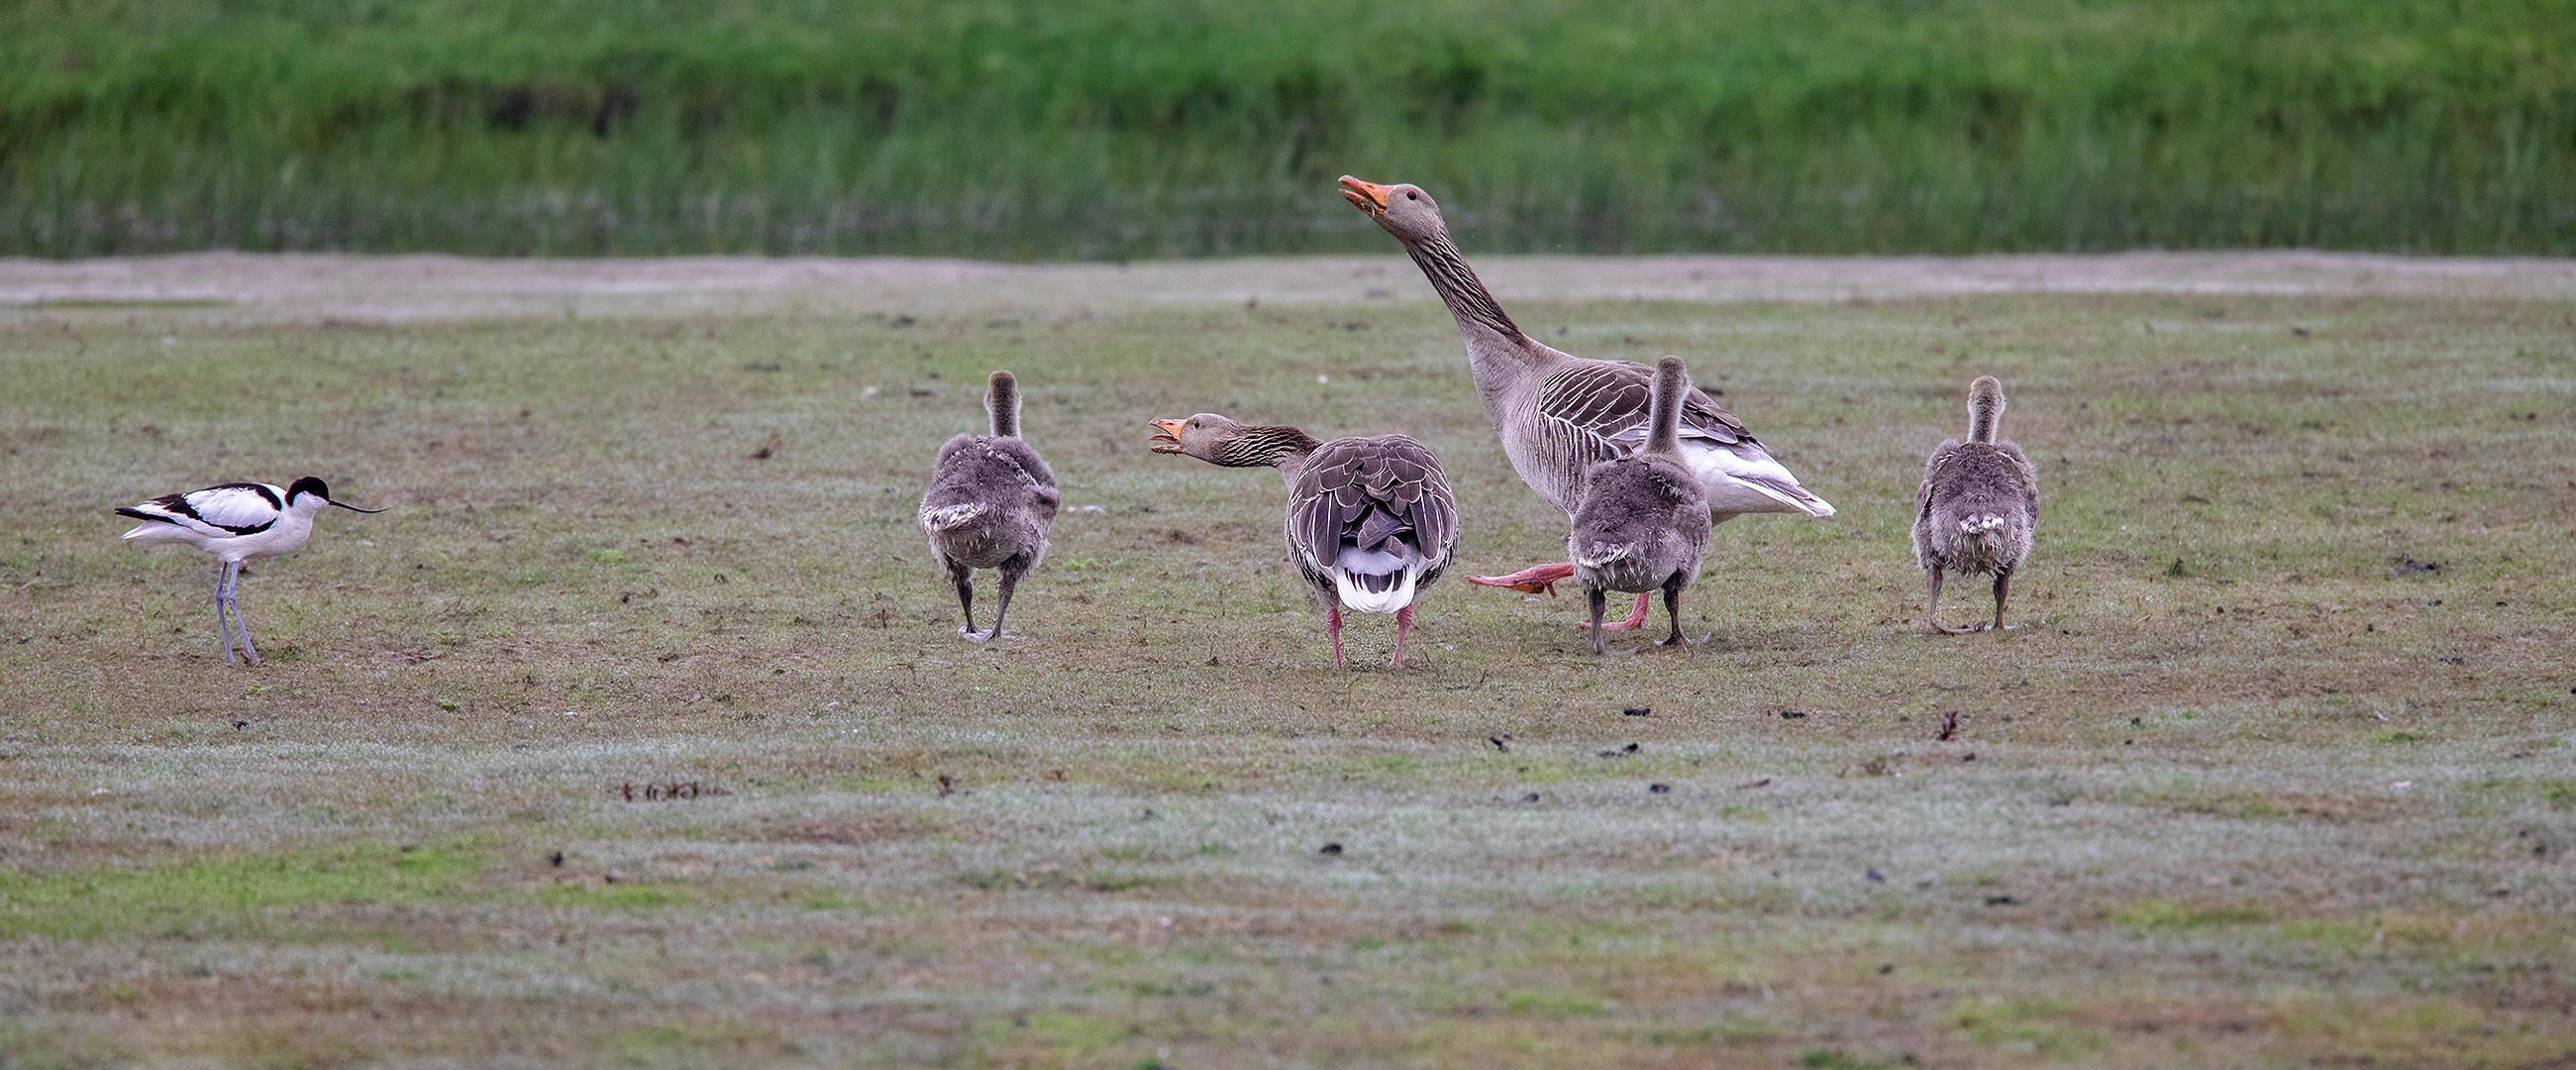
x=1412, y=196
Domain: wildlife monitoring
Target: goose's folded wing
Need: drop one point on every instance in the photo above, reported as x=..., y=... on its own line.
x=1351, y=488
x=1604, y=405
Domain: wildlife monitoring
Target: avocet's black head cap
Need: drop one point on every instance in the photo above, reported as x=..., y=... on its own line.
x=308, y=485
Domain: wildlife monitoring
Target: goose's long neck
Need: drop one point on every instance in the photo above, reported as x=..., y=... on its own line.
x=1985, y=409
x=1283, y=448
x=1497, y=351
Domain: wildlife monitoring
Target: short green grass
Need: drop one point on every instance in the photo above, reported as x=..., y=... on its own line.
x=614, y=744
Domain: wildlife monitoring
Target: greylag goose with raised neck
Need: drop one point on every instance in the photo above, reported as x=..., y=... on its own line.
x=990, y=502
x=1977, y=506
x=1370, y=522
x=1644, y=519
x=1558, y=414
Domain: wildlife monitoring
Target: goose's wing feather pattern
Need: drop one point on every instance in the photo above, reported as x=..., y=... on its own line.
x=228, y=510
x=1606, y=402
x=1364, y=487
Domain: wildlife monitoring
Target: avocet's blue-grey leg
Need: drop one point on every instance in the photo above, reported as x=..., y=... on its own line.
x=223, y=610
x=232, y=583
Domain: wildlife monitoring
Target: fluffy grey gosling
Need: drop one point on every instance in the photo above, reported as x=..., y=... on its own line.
x=990, y=502
x=1644, y=519
x=1978, y=504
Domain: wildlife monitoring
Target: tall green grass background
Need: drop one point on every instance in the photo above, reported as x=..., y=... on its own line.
x=1129, y=128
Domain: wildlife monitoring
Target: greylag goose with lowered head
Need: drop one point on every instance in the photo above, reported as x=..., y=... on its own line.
x=990, y=502
x=1977, y=506
x=1558, y=414
x=1370, y=523
x=1644, y=519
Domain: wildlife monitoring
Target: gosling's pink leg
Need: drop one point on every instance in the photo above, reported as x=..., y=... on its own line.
x=1333, y=627
x=1403, y=620
x=1535, y=579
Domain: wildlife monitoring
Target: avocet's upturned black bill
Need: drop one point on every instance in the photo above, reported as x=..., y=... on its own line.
x=235, y=522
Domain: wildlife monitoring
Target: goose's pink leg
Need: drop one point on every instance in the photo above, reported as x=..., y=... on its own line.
x=1536, y=579
x=1635, y=619
x=1403, y=620
x=1333, y=627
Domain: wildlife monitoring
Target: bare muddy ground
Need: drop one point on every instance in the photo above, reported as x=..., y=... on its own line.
x=444, y=287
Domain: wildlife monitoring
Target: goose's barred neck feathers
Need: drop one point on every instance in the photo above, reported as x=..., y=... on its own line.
x=1459, y=288
x=1264, y=447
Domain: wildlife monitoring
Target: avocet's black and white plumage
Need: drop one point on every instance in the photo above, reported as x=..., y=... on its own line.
x=235, y=522
x=990, y=502
x=1643, y=522
x=1371, y=522
x=1978, y=504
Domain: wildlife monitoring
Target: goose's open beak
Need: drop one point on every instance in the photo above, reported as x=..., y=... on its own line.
x=355, y=509
x=1366, y=196
x=1168, y=438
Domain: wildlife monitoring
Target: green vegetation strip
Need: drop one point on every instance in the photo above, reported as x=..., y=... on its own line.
x=1154, y=127
x=176, y=898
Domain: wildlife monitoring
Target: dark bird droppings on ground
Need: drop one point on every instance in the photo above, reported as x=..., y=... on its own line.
x=1331, y=849
x=1792, y=715
x=1659, y=789
x=2002, y=901
x=1638, y=711
x=1876, y=877
x=1949, y=725
x=556, y=858
x=1499, y=744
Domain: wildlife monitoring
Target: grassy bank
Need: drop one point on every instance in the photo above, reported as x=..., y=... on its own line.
x=2278, y=771
x=1164, y=127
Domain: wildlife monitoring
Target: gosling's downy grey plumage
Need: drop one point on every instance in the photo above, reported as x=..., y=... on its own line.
x=1643, y=522
x=1371, y=522
x=990, y=502
x=1978, y=504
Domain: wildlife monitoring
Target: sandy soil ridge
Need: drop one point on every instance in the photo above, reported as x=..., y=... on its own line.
x=297, y=286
